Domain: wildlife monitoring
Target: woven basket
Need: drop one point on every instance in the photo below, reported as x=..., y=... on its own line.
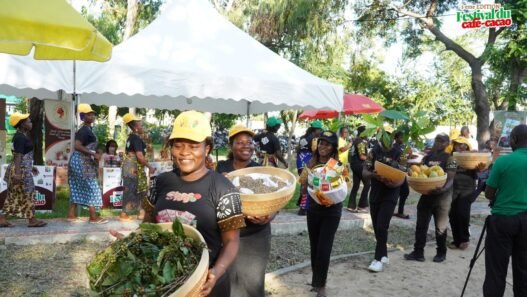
x=192, y=286
x=257, y=205
x=470, y=161
x=395, y=175
x=425, y=185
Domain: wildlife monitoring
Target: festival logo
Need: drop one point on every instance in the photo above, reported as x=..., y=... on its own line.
x=474, y=16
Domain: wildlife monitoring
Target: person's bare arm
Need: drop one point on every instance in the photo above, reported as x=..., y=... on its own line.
x=231, y=243
x=490, y=193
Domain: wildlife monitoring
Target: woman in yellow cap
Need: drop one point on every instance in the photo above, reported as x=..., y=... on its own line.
x=248, y=271
x=19, y=176
x=134, y=178
x=196, y=195
x=462, y=198
x=82, y=169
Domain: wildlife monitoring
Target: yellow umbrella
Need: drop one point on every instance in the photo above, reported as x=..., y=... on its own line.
x=53, y=27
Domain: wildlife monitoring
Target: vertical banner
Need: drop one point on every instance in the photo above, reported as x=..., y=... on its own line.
x=58, y=129
x=504, y=122
x=3, y=132
x=44, y=179
x=112, y=189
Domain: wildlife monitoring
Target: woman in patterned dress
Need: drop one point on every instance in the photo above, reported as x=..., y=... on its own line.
x=134, y=177
x=82, y=169
x=19, y=176
x=197, y=195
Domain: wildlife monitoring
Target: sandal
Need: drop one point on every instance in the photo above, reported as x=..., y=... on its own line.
x=37, y=224
x=6, y=225
x=127, y=219
x=352, y=210
x=402, y=216
x=99, y=221
x=362, y=210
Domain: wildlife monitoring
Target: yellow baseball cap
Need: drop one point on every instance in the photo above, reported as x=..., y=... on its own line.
x=16, y=117
x=237, y=129
x=191, y=125
x=463, y=140
x=84, y=108
x=127, y=118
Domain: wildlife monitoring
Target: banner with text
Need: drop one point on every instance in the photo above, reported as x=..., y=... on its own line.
x=58, y=127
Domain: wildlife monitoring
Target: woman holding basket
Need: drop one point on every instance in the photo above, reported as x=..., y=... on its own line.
x=196, y=195
x=248, y=270
x=322, y=221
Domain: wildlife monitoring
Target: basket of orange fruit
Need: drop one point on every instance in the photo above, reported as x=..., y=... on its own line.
x=424, y=179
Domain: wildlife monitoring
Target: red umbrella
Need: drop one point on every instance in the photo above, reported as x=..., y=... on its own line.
x=353, y=104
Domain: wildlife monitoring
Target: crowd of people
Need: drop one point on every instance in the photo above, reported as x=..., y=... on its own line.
x=198, y=193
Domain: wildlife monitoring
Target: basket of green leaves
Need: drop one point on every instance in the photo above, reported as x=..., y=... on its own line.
x=168, y=259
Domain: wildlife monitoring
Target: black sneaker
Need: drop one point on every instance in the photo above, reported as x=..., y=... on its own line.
x=301, y=212
x=439, y=258
x=413, y=256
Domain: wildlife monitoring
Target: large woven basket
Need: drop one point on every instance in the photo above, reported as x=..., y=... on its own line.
x=192, y=287
x=265, y=204
x=470, y=160
x=425, y=185
x=395, y=175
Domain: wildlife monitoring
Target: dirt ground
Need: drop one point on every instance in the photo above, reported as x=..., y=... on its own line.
x=400, y=279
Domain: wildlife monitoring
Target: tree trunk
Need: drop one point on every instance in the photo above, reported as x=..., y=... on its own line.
x=36, y=113
x=517, y=75
x=481, y=103
x=289, y=138
x=112, y=117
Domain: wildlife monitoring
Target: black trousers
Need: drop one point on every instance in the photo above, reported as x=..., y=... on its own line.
x=357, y=178
x=382, y=205
x=506, y=237
x=404, y=192
x=437, y=206
x=321, y=229
x=460, y=215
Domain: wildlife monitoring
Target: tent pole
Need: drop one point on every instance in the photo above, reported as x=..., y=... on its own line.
x=73, y=127
x=248, y=114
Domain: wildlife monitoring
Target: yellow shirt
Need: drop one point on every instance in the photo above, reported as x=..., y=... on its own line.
x=343, y=156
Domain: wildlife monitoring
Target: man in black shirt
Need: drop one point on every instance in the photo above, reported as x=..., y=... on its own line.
x=269, y=144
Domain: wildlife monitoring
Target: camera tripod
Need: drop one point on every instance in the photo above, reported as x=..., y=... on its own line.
x=477, y=254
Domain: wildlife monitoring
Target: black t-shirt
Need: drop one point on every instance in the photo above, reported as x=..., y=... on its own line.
x=227, y=166
x=443, y=159
x=359, y=147
x=22, y=144
x=134, y=144
x=85, y=135
x=305, y=142
x=211, y=202
x=268, y=142
x=465, y=179
x=391, y=158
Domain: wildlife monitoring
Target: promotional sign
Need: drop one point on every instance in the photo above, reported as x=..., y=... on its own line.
x=44, y=179
x=58, y=127
x=112, y=188
x=504, y=122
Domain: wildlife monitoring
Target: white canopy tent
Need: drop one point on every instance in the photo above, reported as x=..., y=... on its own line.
x=190, y=57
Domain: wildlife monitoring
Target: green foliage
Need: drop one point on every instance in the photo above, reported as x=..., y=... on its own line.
x=111, y=21
x=123, y=136
x=101, y=131
x=150, y=262
x=414, y=128
x=22, y=106
x=223, y=121
x=155, y=133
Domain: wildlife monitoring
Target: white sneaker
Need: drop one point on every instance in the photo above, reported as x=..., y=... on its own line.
x=376, y=266
x=385, y=260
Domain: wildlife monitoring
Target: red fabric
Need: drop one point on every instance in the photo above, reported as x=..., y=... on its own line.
x=353, y=104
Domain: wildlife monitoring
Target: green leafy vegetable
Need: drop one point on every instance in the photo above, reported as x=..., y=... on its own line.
x=150, y=262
